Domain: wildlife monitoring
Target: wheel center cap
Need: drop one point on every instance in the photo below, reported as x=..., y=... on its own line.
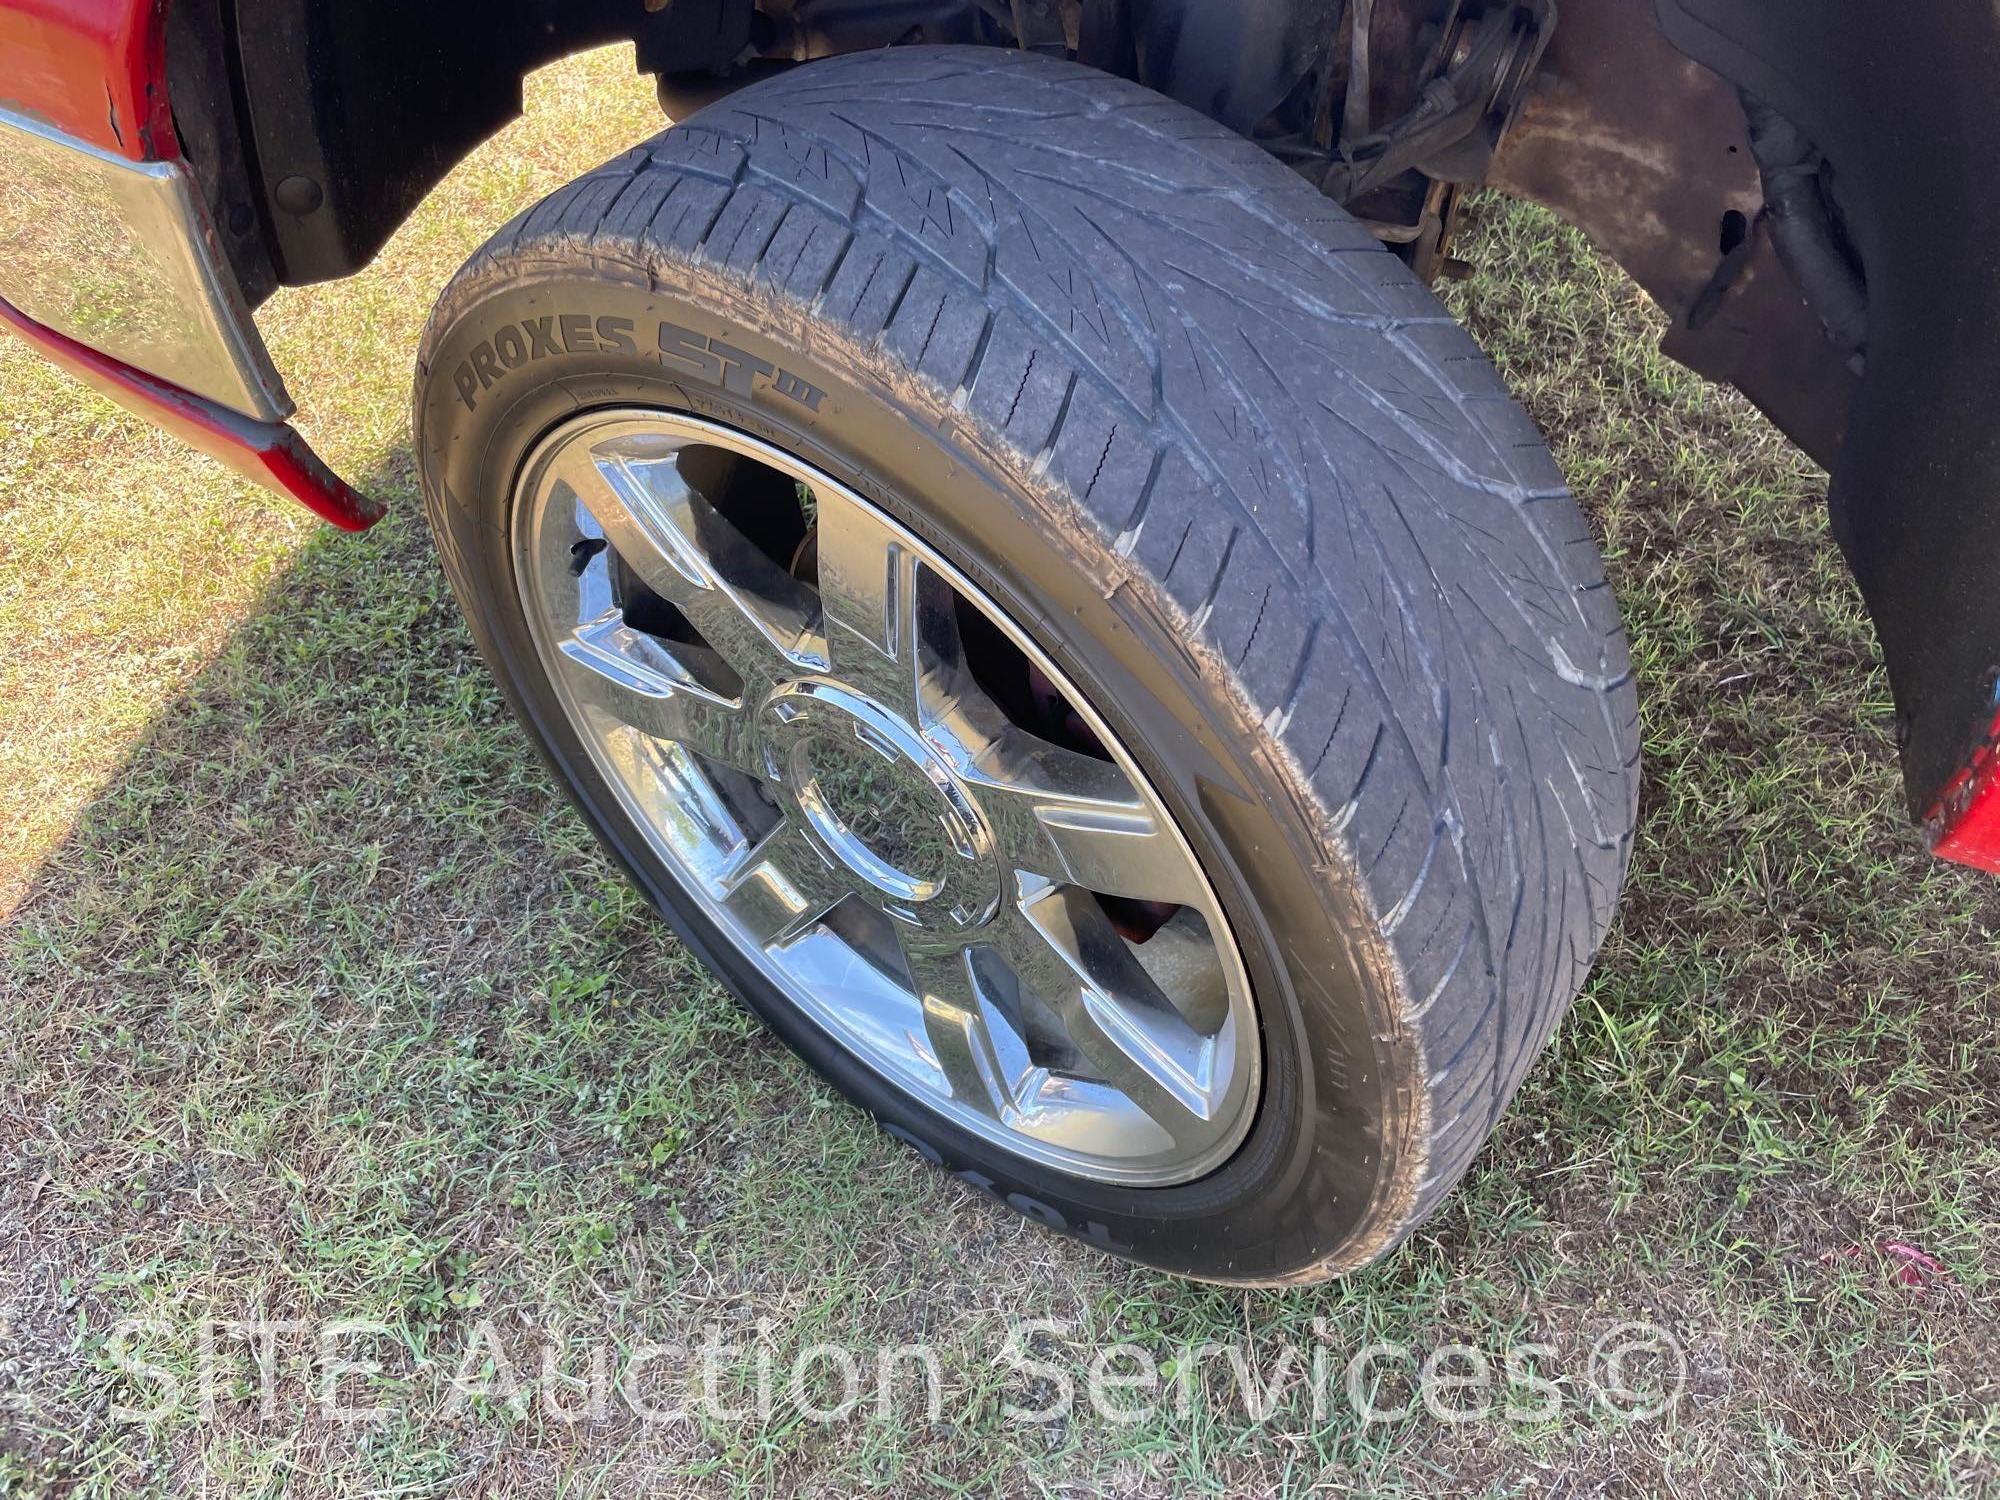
x=881, y=803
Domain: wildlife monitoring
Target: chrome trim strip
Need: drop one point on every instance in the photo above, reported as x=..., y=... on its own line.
x=119, y=255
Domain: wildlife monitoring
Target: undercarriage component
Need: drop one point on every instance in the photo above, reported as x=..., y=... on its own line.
x=1385, y=105
x=1461, y=114
x=1799, y=207
x=1235, y=63
x=802, y=30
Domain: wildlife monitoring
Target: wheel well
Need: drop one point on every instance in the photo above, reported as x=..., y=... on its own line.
x=326, y=121
x=318, y=125
x=323, y=123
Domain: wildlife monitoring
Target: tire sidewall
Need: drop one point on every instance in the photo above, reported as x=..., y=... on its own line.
x=1318, y=1182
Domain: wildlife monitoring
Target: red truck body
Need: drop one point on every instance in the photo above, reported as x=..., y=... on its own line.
x=95, y=69
x=94, y=73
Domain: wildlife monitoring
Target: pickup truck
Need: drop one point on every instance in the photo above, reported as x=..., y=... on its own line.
x=988, y=521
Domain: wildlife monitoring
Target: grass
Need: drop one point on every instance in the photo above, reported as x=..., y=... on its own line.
x=319, y=1004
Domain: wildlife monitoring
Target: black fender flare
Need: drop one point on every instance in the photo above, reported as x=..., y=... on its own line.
x=1905, y=102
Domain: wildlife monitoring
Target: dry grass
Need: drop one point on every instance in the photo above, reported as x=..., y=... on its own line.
x=319, y=1004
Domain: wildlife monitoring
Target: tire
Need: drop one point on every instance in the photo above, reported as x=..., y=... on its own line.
x=1229, y=465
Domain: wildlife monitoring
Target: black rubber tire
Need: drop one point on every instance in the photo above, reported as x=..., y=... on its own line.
x=1240, y=475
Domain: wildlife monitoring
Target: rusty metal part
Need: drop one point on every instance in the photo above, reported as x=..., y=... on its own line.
x=1648, y=152
x=1463, y=109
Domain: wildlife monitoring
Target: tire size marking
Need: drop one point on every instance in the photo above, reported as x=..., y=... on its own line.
x=737, y=371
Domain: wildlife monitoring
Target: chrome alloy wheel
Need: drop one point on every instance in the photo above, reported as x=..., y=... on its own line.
x=887, y=797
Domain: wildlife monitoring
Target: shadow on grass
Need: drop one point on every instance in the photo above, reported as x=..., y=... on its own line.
x=337, y=831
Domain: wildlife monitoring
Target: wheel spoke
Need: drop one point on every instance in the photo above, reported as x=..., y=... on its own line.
x=748, y=609
x=782, y=887
x=967, y=1053
x=1061, y=947
x=637, y=680
x=1068, y=817
x=870, y=587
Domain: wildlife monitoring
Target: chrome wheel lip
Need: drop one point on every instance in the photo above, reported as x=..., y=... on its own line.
x=1047, y=1117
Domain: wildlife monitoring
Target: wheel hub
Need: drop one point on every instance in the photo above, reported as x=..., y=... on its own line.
x=841, y=793
x=884, y=806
